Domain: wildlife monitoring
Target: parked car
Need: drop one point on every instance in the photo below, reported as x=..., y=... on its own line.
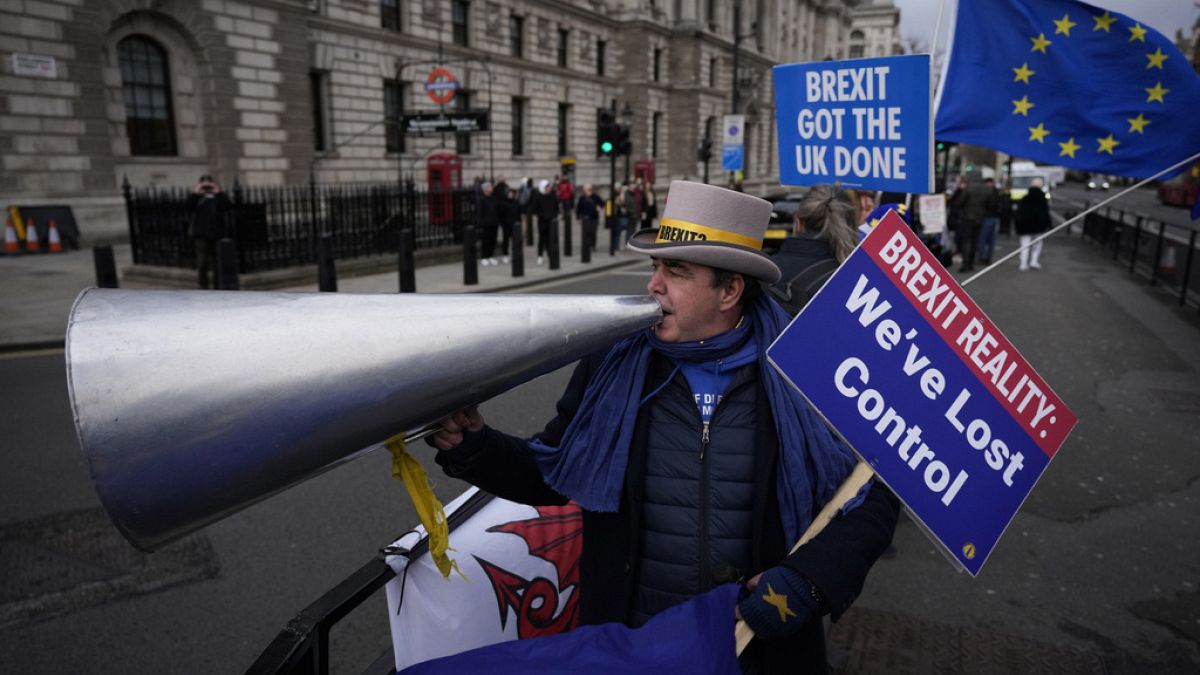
x=783, y=218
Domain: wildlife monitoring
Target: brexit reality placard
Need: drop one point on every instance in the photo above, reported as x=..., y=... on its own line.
x=926, y=389
x=862, y=123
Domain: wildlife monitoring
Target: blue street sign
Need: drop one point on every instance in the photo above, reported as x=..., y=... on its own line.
x=863, y=123
x=732, y=156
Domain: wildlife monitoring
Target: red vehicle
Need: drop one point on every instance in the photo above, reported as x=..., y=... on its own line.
x=1181, y=190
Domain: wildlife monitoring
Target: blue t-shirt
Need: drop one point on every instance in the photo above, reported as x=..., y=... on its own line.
x=710, y=379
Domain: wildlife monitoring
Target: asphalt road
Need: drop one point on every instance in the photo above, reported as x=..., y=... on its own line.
x=76, y=597
x=1102, y=561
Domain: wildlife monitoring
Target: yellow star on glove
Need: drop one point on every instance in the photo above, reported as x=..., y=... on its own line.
x=779, y=602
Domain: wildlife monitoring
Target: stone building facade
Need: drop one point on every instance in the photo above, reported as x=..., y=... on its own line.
x=284, y=91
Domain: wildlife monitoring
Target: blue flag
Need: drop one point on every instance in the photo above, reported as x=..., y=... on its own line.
x=1066, y=83
x=695, y=637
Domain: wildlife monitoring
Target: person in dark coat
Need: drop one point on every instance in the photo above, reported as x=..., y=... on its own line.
x=1032, y=219
x=489, y=218
x=506, y=211
x=588, y=208
x=545, y=207
x=211, y=210
x=823, y=237
x=976, y=203
x=693, y=461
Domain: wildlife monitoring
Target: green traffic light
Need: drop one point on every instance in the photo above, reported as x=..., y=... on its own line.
x=606, y=147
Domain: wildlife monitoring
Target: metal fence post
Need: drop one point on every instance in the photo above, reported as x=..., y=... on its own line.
x=106, y=267
x=553, y=244
x=227, y=274
x=517, y=242
x=470, y=267
x=326, y=272
x=1136, y=236
x=1187, y=270
x=1157, y=254
x=408, y=272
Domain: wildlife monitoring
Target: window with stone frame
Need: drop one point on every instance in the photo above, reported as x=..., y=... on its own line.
x=601, y=48
x=564, y=41
x=459, y=23
x=146, y=89
x=518, y=126
x=516, y=36
x=389, y=14
x=393, y=113
x=658, y=52
x=462, y=103
x=858, y=45
x=655, y=128
x=317, y=101
x=564, y=125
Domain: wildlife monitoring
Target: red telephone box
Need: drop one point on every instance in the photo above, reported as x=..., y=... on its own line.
x=444, y=171
x=644, y=169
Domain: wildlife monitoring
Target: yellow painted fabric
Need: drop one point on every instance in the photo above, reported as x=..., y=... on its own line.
x=671, y=231
x=433, y=517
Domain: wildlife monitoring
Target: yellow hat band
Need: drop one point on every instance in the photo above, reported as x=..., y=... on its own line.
x=671, y=231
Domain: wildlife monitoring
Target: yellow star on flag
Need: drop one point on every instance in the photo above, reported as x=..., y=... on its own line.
x=1136, y=32
x=779, y=602
x=1039, y=132
x=1069, y=148
x=1156, y=93
x=1156, y=59
x=1064, y=25
x=1103, y=22
x=1137, y=123
x=1107, y=144
x=1040, y=43
x=1023, y=73
x=1022, y=106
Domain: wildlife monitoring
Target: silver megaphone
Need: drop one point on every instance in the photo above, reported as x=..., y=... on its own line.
x=191, y=405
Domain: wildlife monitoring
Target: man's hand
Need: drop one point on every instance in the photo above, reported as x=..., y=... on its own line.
x=750, y=586
x=453, y=426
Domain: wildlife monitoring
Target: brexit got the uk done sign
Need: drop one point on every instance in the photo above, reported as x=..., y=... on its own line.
x=926, y=389
x=860, y=123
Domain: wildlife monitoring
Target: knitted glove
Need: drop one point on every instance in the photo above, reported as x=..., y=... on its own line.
x=782, y=604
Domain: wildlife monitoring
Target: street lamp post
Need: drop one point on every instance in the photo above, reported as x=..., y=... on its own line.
x=626, y=115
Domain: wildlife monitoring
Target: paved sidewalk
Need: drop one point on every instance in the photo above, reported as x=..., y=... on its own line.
x=37, y=291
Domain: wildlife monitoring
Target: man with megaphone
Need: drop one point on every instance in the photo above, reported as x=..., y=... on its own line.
x=694, y=461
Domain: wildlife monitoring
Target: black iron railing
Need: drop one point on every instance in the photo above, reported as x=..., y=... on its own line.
x=1162, y=252
x=278, y=226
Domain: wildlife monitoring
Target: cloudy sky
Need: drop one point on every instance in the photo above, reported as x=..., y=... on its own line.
x=919, y=17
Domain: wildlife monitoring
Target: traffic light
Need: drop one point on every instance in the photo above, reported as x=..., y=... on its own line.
x=704, y=152
x=606, y=134
x=624, y=145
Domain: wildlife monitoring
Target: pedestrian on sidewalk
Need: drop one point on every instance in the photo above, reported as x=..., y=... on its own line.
x=545, y=206
x=623, y=208
x=506, y=213
x=211, y=211
x=990, y=224
x=587, y=210
x=1033, y=218
x=489, y=217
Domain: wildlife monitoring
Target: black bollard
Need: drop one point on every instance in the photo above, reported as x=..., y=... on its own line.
x=326, y=272
x=567, y=235
x=552, y=244
x=518, y=250
x=589, y=235
x=408, y=271
x=470, y=264
x=227, y=274
x=106, y=267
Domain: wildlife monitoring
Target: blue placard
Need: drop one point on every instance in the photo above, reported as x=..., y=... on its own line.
x=731, y=157
x=864, y=123
x=926, y=389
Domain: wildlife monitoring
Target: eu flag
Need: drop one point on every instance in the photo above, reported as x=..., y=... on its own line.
x=1063, y=82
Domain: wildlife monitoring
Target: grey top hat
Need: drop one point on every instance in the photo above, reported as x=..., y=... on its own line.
x=712, y=226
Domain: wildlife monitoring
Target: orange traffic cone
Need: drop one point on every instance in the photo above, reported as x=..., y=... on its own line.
x=1166, y=264
x=10, y=239
x=55, y=242
x=32, y=245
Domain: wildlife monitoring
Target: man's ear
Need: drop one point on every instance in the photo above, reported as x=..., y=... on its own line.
x=731, y=292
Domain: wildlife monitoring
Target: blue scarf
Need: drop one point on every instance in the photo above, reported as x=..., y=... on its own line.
x=589, y=463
